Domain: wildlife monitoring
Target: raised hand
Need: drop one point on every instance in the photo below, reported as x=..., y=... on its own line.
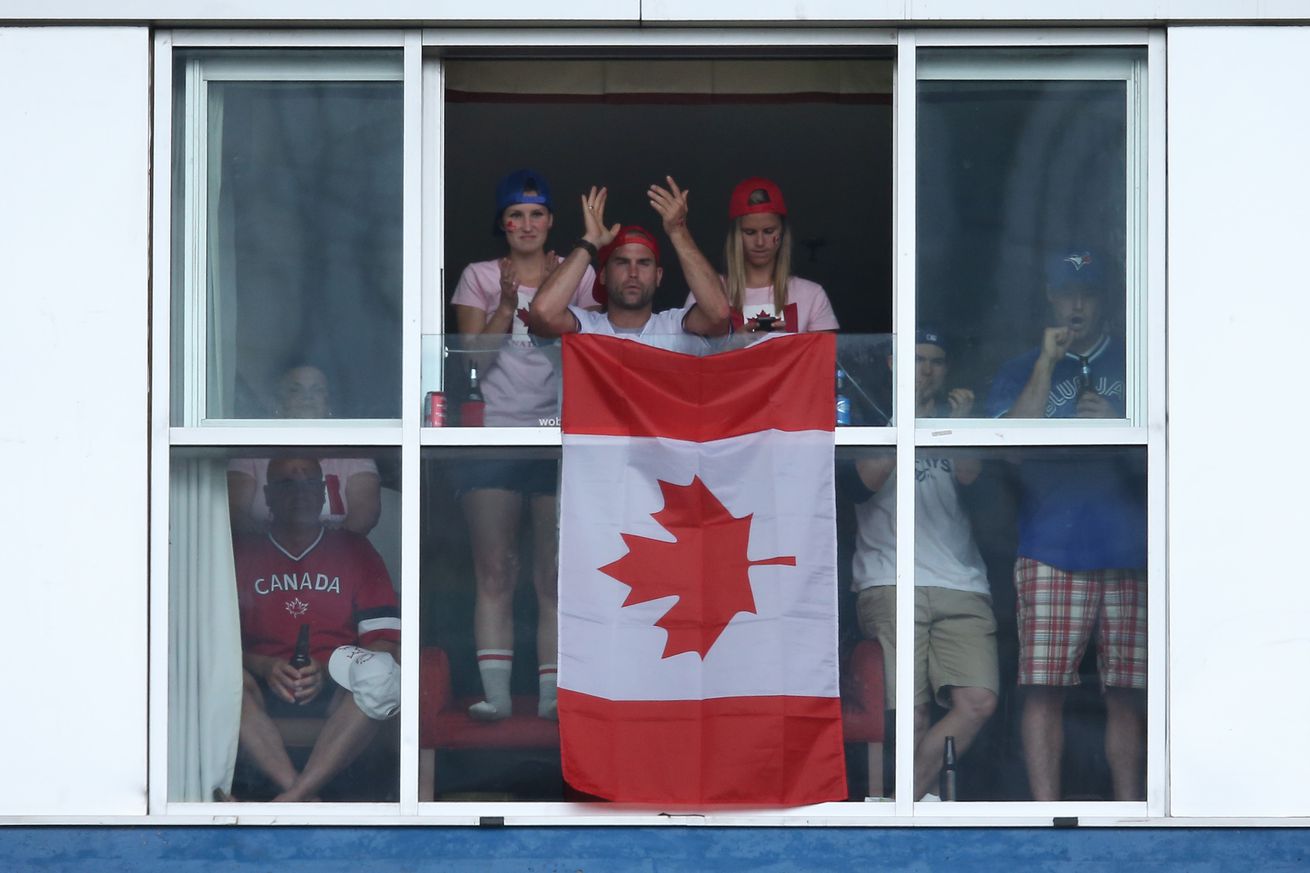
x=960, y=402
x=1055, y=342
x=670, y=203
x=593, y=218
x=509, y=284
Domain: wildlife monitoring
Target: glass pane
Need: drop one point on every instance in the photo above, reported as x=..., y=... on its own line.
x=1025, y=240
x=282, y=562
x=866, y=543
x=514, y=381
x=489, y=535
x=1030, y=623
x=291, y=241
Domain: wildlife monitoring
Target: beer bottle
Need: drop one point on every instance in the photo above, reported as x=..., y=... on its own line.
x=300, y=658
x=1085, y=376
x=473, y=410
x=947, y=787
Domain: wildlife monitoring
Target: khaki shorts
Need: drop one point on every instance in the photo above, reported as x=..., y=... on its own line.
x=954, y=640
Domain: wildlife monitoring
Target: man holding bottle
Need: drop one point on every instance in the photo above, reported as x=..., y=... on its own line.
x=1082, y=534
x=332, y=581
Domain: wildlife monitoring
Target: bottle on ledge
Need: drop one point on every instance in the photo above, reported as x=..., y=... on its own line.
x=300, y=658
x=947, y=787
x=843, y=402
x=472, y=411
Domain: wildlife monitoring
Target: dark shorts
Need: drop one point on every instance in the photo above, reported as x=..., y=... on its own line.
x=276, y=707
x=531, y=477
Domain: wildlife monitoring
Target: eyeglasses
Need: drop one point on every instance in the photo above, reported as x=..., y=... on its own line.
x=288, y=486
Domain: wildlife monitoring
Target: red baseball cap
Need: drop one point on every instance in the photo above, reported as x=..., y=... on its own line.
x=628, y=233
x=739, y=203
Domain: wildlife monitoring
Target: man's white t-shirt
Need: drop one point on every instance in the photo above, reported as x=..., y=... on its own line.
x=945, y=554
x=662, y=330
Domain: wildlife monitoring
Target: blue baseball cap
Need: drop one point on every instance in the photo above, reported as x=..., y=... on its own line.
x=932, y=336
x=514, y=188
x=1074, y=269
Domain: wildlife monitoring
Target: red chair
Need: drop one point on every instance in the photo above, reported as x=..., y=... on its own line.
x=444, y=722
x=862, y=707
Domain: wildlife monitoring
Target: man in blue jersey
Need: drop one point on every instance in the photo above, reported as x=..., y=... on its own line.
x=1082, y=534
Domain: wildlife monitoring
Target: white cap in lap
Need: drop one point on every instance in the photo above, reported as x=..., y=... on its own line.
x=373, y=677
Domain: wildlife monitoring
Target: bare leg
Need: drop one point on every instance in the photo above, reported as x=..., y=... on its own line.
x=545, y=579
x=493, y=520
x=1043, y=739
x=1125, y=741
x=345, y=734
x=259, y=739
x=970, y=709
x=545, y=576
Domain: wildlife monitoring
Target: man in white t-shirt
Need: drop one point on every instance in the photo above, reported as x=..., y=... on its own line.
x=630, y=271
x=954, y=628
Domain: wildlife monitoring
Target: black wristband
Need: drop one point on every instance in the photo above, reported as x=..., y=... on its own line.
x=583, y=244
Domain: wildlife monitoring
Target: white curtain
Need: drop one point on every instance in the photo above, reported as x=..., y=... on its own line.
x=220, y=298
x=204, y=635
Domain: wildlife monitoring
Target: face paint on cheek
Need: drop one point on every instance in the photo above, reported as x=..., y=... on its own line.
x=510, y=226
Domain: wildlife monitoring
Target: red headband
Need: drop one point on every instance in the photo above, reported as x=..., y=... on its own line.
x=629, y=233
x=740, y=204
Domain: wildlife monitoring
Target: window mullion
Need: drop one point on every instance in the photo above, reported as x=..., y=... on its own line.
x=903, y=319
x=411, y=295
x=1157, y=483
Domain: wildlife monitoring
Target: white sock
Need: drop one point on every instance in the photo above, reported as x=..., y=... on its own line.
x=547, y=699
x=494, y=665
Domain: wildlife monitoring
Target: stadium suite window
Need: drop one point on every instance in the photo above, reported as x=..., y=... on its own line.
x=241, y=372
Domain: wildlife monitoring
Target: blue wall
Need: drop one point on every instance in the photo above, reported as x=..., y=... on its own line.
x=658, y=850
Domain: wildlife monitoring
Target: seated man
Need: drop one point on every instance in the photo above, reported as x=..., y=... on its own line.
x=954, y=646
x=301, y=573
x=630, y=272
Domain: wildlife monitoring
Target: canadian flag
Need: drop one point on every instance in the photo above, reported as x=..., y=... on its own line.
x=698, y=589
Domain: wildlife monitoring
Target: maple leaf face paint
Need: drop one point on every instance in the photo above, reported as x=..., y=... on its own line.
x=526, y=226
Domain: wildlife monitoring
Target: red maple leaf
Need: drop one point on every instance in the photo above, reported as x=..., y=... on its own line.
x=706, y=567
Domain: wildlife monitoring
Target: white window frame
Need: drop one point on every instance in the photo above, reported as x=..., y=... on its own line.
x=423, y=305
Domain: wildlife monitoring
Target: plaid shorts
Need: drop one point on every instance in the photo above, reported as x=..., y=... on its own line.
x=1057, y=611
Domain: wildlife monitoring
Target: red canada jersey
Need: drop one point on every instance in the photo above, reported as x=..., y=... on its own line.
x=338, y=586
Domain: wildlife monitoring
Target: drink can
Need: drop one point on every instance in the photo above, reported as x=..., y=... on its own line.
x=843, y=409
x=434, y=409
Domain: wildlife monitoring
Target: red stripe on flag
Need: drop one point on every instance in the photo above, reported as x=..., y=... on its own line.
x=618, y=387
x=758, y=751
